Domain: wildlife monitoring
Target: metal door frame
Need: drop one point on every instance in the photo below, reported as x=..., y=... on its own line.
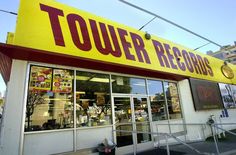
x=134, y=135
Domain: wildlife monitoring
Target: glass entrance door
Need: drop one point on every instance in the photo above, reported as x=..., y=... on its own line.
x=141, y=122
x=131, y=114
x=123, y=121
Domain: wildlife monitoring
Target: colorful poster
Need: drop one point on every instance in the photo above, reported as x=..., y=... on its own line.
x=40, y=78
x=174, y=97
x=62, y=81
x=228, y=94
x=234, y=93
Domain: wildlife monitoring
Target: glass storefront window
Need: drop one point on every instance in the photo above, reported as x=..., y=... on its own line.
x=172, y=100
x=157, y=100
x=93, y=104
x=128, y=85
x=50, y=99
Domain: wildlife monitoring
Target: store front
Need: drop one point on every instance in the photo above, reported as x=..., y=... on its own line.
x=74, y=79
x=75, y=103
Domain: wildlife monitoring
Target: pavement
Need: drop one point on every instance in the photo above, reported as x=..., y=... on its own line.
x=226, y=146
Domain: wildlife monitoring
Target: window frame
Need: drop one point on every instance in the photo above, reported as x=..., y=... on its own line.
x=75, y=69
x=28, y=74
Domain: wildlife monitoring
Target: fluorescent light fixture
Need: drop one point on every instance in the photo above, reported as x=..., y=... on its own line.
x=80, y=92
x=82, y=78
x=93, y=79
x=100, y=80
x=56, y=99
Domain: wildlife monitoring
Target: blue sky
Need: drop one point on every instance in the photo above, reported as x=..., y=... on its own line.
x=213, y=19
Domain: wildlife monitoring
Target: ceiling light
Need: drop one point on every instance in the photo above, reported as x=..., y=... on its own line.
x=100, y=80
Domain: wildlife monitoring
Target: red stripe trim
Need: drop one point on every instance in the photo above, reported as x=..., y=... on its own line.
x=5, y=67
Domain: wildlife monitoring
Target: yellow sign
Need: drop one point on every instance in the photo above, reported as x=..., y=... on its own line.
x=51, y=26
x=10, y=38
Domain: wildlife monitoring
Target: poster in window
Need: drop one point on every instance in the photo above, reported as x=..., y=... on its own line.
x=174, y=97
x=175, y=104
x=234, y=94
x=40, y=78
x=206, y=94
x=62, y=81
x=228, y=94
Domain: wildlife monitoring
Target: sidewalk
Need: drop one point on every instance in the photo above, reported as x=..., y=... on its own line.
x=226, y=146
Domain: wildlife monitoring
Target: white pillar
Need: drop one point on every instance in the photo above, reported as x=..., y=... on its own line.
x=13, y=110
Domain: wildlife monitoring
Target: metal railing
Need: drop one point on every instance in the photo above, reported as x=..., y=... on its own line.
x=207, y=130
x=217, y=129
x=232, y=133
x=179, y=129
x=166, y=136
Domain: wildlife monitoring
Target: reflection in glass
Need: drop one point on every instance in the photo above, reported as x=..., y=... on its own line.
x=155, y=87
x=141, y=119
x=172, y=100
x=123, y=119
x=93, y=106
x=49, y=108
x=127, y=85
x=157, y=99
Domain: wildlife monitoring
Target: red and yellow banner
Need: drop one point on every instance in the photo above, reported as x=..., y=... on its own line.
x=51, y=26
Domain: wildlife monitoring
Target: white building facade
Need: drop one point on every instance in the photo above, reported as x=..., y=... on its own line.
x=67, y=95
